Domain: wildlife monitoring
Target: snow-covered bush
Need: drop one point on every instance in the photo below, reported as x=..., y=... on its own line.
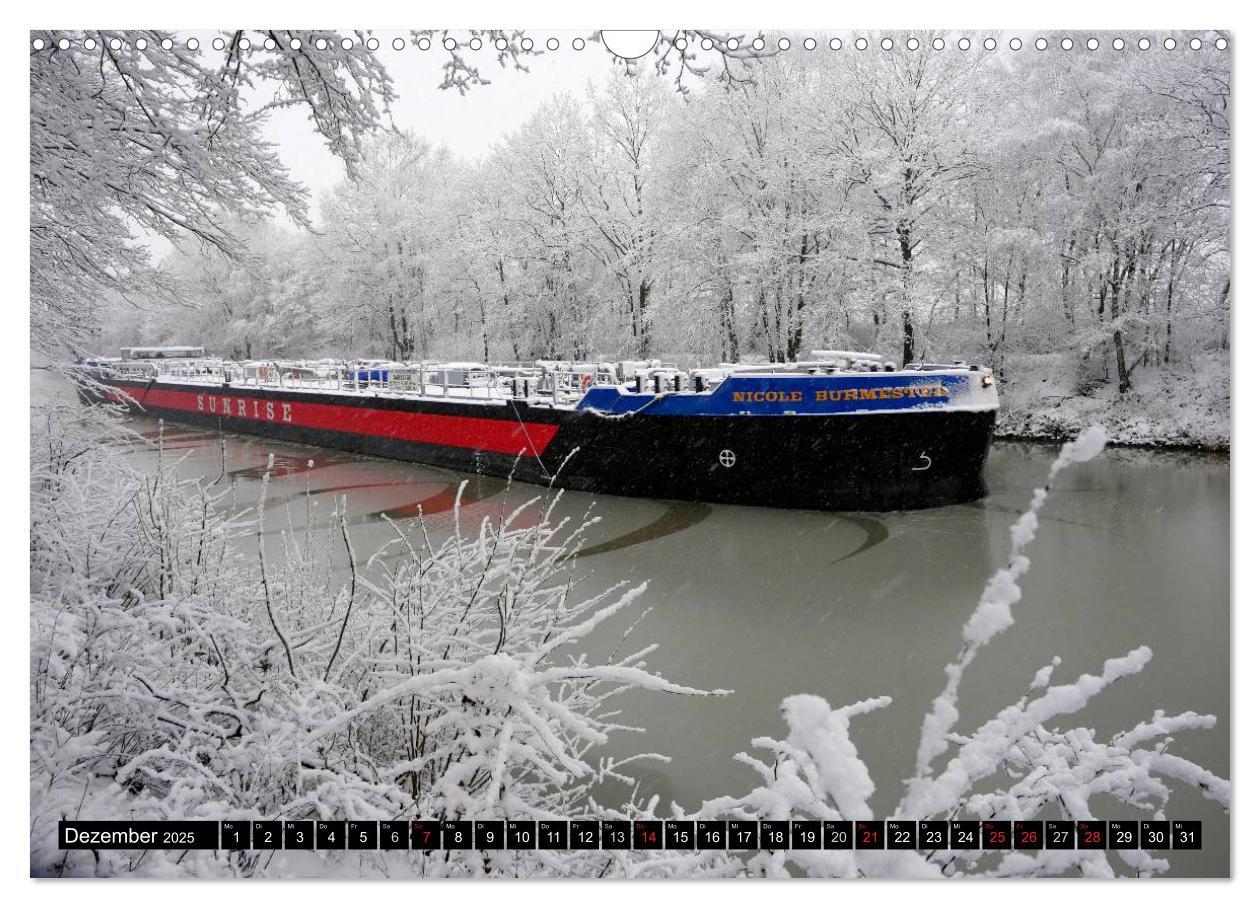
x=1018, y=765
x=185, y=665
x=182, y=670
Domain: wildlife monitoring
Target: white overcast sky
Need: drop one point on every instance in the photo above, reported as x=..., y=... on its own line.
x=468, y=125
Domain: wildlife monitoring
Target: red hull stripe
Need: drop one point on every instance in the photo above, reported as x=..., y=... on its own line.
x=502, y=436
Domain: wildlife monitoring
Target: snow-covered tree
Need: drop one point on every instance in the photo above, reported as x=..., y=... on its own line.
x=185, y=664
x=623, y=199
x=543, y=168
x=385, y=243
x=139, y=136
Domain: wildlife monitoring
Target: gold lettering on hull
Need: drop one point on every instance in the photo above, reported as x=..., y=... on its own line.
x=223, y=406
x=767, y=397
x=915, y=391
x=838, y=395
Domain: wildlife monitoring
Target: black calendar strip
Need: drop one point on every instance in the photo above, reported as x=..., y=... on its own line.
x=637, y=835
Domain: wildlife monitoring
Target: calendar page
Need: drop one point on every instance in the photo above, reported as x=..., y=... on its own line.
x=629, y=454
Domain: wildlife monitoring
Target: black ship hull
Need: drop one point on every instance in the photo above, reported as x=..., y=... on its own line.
x=897, y=460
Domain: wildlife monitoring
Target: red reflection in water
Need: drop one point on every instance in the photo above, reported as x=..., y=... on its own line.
x=274, y=500
x=441, y=502
x=176, y=440
x=294, y=465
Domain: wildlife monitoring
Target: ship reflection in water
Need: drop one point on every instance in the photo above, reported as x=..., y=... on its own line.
x=378, y=489
x=1133, y=549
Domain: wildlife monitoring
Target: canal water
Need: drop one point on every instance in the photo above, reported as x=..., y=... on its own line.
x=1133, y=548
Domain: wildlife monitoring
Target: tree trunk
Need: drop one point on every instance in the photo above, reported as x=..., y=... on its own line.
x=485, y=329
x=645, y=331
x=1117, y=336
x=507, y=309
x=1224, y=302
x=907, y=323
x=1065, y=281
x=1123, y=373
x=765, y=323
x=730, y=333
x=796, y=319
x=907, y=338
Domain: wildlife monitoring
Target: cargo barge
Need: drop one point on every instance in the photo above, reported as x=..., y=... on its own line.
x=843, y=431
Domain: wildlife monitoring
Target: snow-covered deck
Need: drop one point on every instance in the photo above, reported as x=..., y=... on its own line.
x=483, y=394
x=839, y=383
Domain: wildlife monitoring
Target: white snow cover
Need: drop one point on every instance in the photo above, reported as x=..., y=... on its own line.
x=174, y=677
x=177, y=674
x=1186, y=407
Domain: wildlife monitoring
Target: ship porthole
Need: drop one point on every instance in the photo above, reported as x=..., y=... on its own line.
x=727, y=458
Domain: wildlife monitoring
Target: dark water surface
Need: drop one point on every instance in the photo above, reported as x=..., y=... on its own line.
x=1133, y=549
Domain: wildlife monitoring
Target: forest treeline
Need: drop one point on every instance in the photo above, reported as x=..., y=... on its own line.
x=925, y=204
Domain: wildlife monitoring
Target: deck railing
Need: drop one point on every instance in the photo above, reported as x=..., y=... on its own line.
x=561, y=383
x=423, y=379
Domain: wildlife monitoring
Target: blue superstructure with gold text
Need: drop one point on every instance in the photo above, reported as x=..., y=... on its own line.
x=795, y=395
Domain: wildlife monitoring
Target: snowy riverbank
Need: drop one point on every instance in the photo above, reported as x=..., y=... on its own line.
x=1187, y=409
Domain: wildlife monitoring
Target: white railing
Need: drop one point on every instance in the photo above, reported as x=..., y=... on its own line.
x=560, y=382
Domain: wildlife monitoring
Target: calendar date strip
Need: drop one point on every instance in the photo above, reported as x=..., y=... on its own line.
x=626, y=835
